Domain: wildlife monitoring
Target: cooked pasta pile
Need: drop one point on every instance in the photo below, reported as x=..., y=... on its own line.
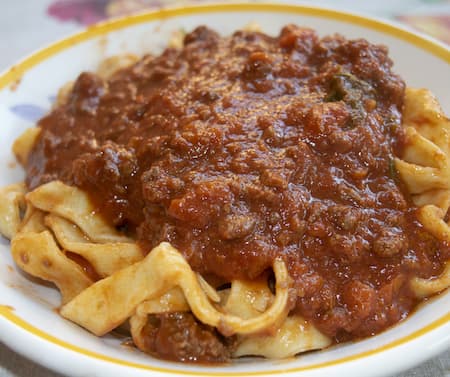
x=110, y=271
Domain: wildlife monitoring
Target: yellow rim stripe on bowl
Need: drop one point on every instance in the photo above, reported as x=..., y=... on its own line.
x=16, y=72
x=8, y=313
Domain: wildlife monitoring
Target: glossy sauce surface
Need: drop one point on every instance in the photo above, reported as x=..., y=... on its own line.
x=241, y=149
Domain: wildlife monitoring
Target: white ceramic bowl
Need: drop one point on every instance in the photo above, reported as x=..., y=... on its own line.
x=28, y=320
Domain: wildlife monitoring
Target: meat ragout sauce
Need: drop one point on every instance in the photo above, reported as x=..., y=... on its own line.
x=241, y=149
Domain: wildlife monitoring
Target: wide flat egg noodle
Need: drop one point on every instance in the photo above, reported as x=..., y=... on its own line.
x=171, y=301
x=12, y=198
x=295, y=335
x=74, y=204
x=427, y=287
x=23, y=144
x=106, y=258
x=33, y=221
x=110, y=301
x=36, y=252
x=292, y=336
x=425, y=164
x=39, y=255
x=425, y=169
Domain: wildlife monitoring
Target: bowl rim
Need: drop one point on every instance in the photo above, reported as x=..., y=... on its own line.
x=392, y=28
x=14, y=74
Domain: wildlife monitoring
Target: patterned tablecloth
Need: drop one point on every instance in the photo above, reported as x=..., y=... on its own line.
x=30, y=24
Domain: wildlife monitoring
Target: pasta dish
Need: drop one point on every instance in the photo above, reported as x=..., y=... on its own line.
x=240, y=195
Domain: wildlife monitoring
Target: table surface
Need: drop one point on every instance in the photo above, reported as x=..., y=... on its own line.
x=29, y=25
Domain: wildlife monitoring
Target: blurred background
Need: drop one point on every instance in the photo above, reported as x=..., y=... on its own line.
x=26, y=25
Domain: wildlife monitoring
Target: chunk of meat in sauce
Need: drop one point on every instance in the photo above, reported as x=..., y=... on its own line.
x=180, y=337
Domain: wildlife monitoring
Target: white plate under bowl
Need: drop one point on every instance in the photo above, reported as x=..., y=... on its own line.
x=29, y=322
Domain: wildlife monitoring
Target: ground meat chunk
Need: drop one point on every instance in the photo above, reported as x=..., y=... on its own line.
x=158, y=186
x=236, y=226
x=112, y=162
x=359, y=299
x=201, y=34
x=202, y=203
x=180, y=337
x=85, y=94
x=111, y=166
x=345, y=217
x=390, y=242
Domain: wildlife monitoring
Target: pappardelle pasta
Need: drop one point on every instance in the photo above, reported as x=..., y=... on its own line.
x=243, y=195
